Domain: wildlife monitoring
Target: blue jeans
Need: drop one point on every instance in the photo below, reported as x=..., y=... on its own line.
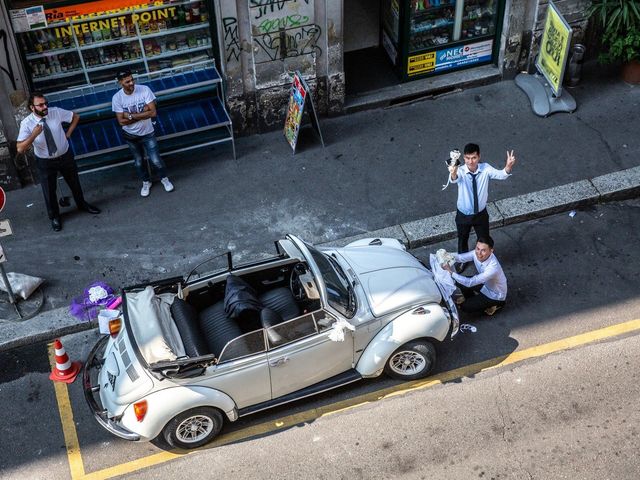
x=149, y=144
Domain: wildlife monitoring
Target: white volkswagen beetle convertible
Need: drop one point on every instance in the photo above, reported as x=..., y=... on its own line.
x=188, y=354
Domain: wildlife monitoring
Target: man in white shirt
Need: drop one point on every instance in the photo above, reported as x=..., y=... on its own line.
x=43, y=129
x=486, y=291
x=135, y=107
x=473, y=191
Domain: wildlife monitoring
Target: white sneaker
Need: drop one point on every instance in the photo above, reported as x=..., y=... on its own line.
x=168, y=186
x=146, y=186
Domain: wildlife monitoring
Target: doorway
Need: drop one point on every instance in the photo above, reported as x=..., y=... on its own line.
x=366, y=64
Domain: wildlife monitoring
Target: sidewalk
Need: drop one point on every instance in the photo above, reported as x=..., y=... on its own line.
x=380, y=175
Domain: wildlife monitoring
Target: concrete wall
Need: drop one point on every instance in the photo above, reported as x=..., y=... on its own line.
x=264, y=41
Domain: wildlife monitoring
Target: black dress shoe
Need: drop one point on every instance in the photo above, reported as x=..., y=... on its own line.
x=90, y=209
x=56, y=224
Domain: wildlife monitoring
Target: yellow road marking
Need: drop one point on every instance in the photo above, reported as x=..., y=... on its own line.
x=68, y=426
x=288, y=421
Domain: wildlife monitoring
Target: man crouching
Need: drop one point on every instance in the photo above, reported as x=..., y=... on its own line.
x=486, y=291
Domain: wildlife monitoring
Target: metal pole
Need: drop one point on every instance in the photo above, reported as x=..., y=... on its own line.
x=7, y=284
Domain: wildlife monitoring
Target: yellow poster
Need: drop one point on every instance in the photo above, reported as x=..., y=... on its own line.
x=425, y=62
x=554, y=48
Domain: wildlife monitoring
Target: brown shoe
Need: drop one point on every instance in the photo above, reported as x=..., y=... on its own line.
x=491, y=310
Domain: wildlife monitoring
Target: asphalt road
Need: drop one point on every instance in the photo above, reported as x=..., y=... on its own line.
x=567, y=414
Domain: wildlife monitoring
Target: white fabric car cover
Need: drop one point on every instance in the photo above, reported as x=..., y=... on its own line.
x=153, y=327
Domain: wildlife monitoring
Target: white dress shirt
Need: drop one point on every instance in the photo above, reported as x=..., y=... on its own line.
x=55, y=117
x=465, y=186
x=490, y=275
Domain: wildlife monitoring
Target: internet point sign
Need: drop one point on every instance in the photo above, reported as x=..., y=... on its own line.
x=554, y=48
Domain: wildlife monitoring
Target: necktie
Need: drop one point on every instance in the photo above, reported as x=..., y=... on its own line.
x=475, y=192
x=48, y=136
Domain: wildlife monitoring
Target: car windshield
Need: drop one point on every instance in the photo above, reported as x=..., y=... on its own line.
x=340, y=293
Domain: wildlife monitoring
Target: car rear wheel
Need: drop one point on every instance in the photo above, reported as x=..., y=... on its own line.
x=412, y=360
x=193, y=428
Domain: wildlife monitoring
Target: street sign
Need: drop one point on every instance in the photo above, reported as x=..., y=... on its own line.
x=3, y=197
x=554, y=48
x=5, y=228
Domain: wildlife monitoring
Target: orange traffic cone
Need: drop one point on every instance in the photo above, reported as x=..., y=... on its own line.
x=65, y=370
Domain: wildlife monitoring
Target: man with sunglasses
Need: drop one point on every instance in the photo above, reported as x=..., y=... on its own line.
x=135, y=109
x=43, y=129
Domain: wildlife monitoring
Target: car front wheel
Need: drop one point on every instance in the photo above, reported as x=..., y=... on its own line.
x=412, y=360
x=193, y=428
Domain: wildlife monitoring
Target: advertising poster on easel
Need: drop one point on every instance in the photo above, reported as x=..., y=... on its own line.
x=294, y=111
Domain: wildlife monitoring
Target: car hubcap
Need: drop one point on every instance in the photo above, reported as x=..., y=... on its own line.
x=407, y=363
x=194, y=429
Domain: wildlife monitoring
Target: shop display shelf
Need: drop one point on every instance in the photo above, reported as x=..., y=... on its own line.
x=107, y=66
x=87, y=99
x=173, y=31
x=92, y=45
x=105, y=136
x=426, y=28
x=173, y=53
x=55, y=76
x=48, y=53
x=431, y=9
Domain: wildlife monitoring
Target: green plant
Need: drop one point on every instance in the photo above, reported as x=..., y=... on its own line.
x=620, y=20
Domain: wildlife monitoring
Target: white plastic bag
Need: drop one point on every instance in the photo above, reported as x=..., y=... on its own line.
x=21, y=284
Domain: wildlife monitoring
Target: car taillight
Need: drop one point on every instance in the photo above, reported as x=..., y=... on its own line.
x=114, y=326
x=140, y=409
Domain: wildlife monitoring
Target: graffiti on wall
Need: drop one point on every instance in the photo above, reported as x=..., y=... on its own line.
x=282, y=44
x=231, y=39
x=261, y=8
x=283, y=29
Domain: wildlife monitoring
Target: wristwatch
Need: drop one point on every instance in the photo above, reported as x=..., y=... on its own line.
x=129, y=116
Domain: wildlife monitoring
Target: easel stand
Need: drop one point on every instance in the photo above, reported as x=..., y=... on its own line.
x=543, y=100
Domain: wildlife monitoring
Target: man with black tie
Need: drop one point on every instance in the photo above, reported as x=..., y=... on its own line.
x=43, y=128
x=472, y=179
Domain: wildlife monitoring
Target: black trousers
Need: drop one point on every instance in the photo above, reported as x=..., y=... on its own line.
x=48, y=169
x=479, y=222
x=475, y=301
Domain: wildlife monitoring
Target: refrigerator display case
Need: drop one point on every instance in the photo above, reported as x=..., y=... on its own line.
x=74, y=57
x=427, y=37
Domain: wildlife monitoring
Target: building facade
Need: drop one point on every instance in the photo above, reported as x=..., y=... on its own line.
x=343, y=48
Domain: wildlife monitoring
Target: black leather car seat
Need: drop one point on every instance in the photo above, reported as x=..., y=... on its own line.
x=186, y=320
x=281, y=300
x=217, y=327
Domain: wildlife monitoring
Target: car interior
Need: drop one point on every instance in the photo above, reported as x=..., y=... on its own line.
x=234, y=304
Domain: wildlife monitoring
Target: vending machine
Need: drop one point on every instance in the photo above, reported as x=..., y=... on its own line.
x=428, y=37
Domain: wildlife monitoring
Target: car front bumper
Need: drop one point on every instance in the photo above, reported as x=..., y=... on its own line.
x=93, y=366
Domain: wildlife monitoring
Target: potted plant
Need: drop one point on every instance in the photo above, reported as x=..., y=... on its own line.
x=620, y=21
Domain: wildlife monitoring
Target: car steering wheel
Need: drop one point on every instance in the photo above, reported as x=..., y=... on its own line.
x=295, y=284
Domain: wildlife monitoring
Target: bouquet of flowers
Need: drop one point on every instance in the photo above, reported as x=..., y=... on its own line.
x=95, y=297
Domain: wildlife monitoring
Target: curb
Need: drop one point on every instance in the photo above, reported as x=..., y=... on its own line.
x=620, y=185
x=613, y=186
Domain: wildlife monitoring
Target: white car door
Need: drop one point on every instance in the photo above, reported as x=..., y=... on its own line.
x=302, y=354
x=243, y=371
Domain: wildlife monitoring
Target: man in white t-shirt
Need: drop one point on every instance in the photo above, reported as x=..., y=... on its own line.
x=43, y=129
x=487, y=290
x=135, y=109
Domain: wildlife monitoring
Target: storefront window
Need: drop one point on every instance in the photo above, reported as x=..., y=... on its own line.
x=87, y=43
x=439, y=22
